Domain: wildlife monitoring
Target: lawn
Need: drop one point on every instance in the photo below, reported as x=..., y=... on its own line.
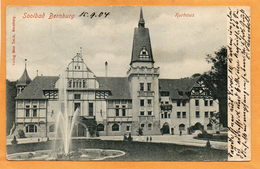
x=136, y=151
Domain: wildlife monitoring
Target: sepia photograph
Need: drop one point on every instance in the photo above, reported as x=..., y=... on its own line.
x=119, y=83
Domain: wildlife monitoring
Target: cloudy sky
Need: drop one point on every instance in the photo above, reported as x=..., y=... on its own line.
x=179, y=44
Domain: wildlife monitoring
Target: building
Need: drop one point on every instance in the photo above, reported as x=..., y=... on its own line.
x=115, y=105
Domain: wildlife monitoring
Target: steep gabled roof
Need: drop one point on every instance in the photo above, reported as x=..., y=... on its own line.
x=141, y=41
x=34, y=90
x=175, y=85
x=119, y=87
x=24, y=79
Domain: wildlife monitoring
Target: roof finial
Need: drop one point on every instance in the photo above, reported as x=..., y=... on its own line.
x=81, y=52
x=25, y=60
x=141, y=20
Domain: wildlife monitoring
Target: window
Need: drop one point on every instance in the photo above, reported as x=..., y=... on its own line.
x=142, y=113
x=161, y=102
x=31, y=129
x=123, y=111
x=162, y=115
x=27, y=111
x=184, y=103
x=141, y=102
x=197, y=103
x=211, y=102
x=165, y=93
x=169, y=116
x=127, y=128
x=197, y=114
x=165, y=114
x=149, y=86
x=117, y=110
x=149, y=102
x=77, y=106
x=211, y=113
x=69, y=83
x=150, y=126
x=180, y=93
x=142, y=125
x=90, y=109
x=76, y=96
x=166, y=102
x=149, y=113
x=205, y=102
x=141, y=86
x=84, y=84
x=178, y=114
x=115, y=127
x=34, y=111
x=183, y=114
x=100, y=127
x=52, y=128
x=178, y=103
x=206, y=114
x=182, y=127
x=209, y=126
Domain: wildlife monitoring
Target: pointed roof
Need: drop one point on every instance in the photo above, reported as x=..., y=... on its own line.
x=24, y=79
x=141, y=43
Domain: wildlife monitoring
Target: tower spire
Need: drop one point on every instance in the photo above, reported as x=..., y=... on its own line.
x=25, y=60
x=141, y=20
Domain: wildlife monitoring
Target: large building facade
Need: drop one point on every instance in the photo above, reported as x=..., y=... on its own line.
x=115, y=105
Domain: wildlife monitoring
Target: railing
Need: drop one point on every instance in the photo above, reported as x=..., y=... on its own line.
x=143, y=69
x=146, y=93
x=120, y=119
x=166, y=107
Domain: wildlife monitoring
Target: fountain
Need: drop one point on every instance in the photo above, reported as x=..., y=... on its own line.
x=64, y=125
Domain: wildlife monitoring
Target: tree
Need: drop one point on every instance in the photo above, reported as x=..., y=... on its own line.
x=10, y=104
x=216, y=80
x=140, y=131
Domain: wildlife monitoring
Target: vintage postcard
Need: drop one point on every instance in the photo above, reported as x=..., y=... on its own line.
x=121, y=83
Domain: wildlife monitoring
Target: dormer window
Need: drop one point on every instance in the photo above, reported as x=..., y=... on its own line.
x=143, y=53
x=181, y=93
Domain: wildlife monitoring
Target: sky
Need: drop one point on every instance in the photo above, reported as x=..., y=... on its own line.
x=179, y=44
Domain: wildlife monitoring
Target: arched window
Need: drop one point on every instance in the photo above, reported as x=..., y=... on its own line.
x=100, y=127
x=31, y=129
x=52, y=128
x=115, y=127
x=209, y=126
x=149, y=126
x=142, y=125
x=182, y=127
x=144, y=53
x=69, y=83
x=84, y=84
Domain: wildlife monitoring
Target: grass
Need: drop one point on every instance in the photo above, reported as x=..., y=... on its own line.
x=137, y=151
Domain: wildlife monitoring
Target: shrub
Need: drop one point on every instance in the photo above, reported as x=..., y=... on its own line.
x=205, y=134
x=21, y=133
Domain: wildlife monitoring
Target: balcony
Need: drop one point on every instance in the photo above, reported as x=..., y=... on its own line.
x=120, y=119
x=145, y=93
x=166, y=107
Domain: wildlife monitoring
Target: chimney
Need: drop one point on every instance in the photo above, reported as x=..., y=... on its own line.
x=106, y=68
x=36, y=72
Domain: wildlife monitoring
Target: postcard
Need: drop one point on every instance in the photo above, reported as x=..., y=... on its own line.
x=128, y=83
